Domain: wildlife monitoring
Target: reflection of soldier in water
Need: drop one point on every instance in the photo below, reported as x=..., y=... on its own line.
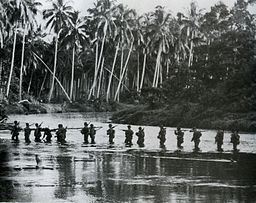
x=85, y=132
x=161, y=136
x=61, y=134
x=128, y=136
x=235, y=139
x=196, y=138
x=111, y=134
x=27, y=132
x=37, y=133
x=180, y=137
x=15, y=131
x=219, y=140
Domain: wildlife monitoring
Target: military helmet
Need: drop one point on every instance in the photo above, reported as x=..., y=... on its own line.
x=85, y=123
x=110, y=125
x=129, y=126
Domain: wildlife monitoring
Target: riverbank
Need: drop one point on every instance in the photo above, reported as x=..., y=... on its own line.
x=27, y=107
x=188, y=116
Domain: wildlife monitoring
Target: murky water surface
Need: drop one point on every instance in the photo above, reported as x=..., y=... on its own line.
x=79, y=173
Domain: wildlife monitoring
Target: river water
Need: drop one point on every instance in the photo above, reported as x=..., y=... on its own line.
x=101, y=173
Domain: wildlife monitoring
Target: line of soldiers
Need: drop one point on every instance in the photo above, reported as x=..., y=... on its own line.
x=89, y=131
x=38, y=130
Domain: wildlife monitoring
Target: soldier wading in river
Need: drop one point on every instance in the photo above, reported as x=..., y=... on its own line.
x=128, y=136
x=61, y=134
x=92, y=133
x=111, y=134
x=235, y=139
x=180, y=137
x=15, y=131
x=85, y=132
x=37, y=133
x=161, y=136
x=196, y=138
x=141, y=136
x=219, y=140
x=27, y=132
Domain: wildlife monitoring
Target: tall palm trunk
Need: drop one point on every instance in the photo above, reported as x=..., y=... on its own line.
x=156, y=73
x=72, y=74
x=42, y=86
x=30, y=82
x=22, y=63
x=123, y=72
x=100, y=78
x=1, y=62
x=143, y=70
x=54, y=67
x=111, y=74
x=138, y=73
x=12, y=62
x=92, y=90
x=61, y=86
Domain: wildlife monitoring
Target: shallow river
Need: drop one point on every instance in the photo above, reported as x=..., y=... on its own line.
x=78, y=173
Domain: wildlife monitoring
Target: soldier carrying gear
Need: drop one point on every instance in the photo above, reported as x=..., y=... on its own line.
x=85, y=132
x=128, y=136
x=15, y=131
x=92, y=133
x=196, y=138
x=111, y=133
x=61, y=134
x=47, y=134
x=37, y=133
x=180, y=137
x=141, y=136
x=27, y=132
x=235, y=139
x=161, y=135
x=219, y=140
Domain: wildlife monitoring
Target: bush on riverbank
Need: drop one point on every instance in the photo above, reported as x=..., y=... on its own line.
x=187, y=115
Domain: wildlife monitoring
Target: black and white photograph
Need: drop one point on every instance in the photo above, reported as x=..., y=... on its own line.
x=134, y=101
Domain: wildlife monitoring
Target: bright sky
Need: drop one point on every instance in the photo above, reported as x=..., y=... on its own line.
x=143, y=6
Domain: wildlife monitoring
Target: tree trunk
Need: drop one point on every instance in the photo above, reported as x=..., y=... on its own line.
x=42, y=86
x=112, y=72
x=12, y=62
x=54, y=67
x=63, y=89
x=30, y=81
x=22, y=63
x=143, y=70
x=92, y=90
x=156, y=73
x=123, y=72
x=100, y=78
x=138, y=72
x=72, y=74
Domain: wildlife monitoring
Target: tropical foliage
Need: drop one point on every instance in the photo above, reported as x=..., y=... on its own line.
x=114, y=54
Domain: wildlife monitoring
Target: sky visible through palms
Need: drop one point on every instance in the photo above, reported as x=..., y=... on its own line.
x=143, y=6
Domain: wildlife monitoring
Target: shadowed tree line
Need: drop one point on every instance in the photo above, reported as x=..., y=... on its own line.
x=114, y=54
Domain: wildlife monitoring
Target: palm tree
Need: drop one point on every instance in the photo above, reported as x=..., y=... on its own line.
x=27, y=20
x=76, y=36
x=59, y=17
x=161, y=39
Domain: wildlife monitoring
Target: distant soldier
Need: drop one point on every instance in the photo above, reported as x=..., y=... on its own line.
x=180, y=137
x=161, y=135
x=15, y=131
x=235, y=139
x=111, y=134
x=37, y=133
x=85, y=132
x=196, y=138
x=141, y=136
x=128, y=136
x=47, y=135
x=92, y=133
x=219, y=140
x=61, y=134
x=27, y=132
